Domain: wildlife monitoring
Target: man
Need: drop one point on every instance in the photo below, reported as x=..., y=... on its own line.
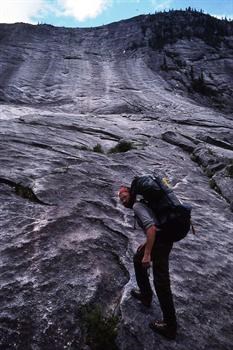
x=155, y=250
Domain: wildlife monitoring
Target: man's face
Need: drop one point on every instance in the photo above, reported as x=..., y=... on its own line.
x=125, y=198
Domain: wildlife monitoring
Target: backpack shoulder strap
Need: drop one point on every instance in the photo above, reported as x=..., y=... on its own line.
x=163, y=183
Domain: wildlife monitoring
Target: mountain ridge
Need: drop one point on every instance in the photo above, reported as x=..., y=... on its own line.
x=185, y=61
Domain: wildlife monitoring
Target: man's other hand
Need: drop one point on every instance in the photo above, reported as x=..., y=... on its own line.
x=146, y=261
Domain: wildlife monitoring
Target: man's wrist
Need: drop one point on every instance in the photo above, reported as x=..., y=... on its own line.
x=147, y=254
x=147, y=250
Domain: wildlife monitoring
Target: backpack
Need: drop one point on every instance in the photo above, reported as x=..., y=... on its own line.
x=173, y=215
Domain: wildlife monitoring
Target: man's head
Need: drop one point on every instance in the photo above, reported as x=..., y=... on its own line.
x=125, y=196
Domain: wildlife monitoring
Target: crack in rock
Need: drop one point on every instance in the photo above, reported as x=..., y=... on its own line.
x=23, y=191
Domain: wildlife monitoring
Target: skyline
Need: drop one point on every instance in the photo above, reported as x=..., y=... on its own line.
x=92, y=13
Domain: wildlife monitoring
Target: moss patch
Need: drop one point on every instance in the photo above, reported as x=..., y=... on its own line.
x=101, y=331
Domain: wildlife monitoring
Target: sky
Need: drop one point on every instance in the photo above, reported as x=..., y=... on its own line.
x=92, y=13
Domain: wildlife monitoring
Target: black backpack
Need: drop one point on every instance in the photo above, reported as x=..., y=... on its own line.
x=173, y=215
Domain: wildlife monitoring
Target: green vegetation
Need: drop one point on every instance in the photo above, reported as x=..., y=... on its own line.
x=122, y=146
x=101, y=331
x=164, y=65
x=98, y=148
x=214, y=186
x=212, y=183
x=23, y=191
x=229, y=170
x=84, y=148
x=199, y=84
x=168, y=27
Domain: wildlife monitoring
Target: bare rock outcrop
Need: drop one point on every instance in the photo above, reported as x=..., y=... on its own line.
x=68, y=99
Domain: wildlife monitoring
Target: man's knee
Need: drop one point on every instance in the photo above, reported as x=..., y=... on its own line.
x=162, y=285
x=161, y=276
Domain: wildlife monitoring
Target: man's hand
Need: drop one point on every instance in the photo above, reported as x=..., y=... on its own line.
x=146, y=261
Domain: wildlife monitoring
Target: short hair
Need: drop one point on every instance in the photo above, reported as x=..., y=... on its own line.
x=123, y=189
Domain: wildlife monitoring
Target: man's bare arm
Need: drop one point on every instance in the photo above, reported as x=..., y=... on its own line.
x=150, y=240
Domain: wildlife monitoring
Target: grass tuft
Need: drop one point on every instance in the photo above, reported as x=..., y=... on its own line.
x=122, y=146
x=98, y=148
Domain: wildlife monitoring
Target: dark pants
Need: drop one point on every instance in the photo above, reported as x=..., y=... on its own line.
x=160, y=257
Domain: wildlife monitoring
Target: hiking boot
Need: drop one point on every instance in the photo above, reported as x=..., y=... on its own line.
x=145, y=299
x=168, y=331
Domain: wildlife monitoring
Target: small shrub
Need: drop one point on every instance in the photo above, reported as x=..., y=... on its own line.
x=84, y=148
x=199, y=85
x=209, y=172
x=101, y=331
x=98, y=148
x=122, y=146
x=212, y=183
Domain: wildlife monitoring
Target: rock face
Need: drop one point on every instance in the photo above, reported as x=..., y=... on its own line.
x=68, y=96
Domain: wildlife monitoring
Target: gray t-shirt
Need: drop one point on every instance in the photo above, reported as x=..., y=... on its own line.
x=144, y=216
